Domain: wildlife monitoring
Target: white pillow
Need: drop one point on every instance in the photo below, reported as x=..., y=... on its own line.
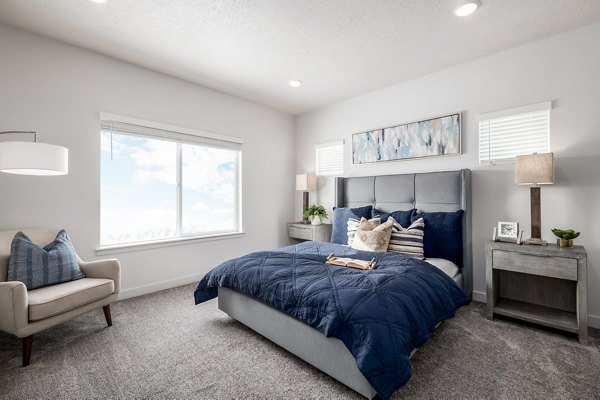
x=446, y=266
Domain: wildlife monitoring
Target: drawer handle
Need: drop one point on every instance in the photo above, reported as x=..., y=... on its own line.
x=534, y=255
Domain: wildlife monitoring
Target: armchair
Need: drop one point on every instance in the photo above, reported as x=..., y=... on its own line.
x=24, y=313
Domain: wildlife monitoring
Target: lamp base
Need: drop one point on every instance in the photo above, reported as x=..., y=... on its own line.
x=535, y=241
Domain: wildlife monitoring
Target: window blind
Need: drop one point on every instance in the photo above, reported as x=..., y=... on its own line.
x=132, y=126
x=509, y=133
x=330, y=158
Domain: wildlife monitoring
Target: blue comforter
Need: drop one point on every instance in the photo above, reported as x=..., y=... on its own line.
x=381, y=315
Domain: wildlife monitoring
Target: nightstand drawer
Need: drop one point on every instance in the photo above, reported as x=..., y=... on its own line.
x=300, y=233
x=555, y=267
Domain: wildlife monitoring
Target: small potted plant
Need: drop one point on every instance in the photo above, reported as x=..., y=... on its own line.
x=315, y=213
x=565, y=237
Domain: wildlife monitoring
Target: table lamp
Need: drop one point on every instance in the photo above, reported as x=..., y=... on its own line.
x=305, y=182
x=535, y=169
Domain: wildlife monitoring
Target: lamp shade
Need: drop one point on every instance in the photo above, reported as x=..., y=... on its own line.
x=33, y=158
x=534, y=169
x=306, y=182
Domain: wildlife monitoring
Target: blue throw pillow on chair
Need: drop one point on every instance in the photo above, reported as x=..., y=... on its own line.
x=38, y=267
x=339, y=230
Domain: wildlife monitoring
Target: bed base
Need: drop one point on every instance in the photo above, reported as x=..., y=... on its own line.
x=329, y=355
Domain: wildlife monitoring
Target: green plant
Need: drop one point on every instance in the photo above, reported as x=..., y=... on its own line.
x=565, y=233
x=315, y=210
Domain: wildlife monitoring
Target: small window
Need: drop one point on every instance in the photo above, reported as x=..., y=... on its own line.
x=159, y=182
x=330, y=158
x=509, y=133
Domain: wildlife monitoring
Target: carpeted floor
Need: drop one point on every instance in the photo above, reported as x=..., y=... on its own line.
x=163, y=347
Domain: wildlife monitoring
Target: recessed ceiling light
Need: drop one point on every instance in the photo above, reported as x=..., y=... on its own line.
x=465, y=8
x=99, y=1
x=295, y=82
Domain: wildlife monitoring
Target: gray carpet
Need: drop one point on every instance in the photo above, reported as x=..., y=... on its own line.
x=161, y=346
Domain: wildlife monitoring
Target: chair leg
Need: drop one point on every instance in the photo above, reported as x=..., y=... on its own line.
x=27, y=344
x=106, y=310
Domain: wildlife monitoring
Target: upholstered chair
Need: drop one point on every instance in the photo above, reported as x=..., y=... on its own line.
x=24, y=313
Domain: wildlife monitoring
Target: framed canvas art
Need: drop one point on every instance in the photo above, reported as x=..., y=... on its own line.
x=430, y=138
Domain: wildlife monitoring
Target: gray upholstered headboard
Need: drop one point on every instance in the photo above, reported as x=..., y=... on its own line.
x=432, y=191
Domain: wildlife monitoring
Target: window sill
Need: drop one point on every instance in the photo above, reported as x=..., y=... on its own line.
x=156, y=244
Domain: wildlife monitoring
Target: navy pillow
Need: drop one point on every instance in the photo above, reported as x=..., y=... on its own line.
x=37, y=267
x=401, y=217
x=443, y=235
x=339, y=231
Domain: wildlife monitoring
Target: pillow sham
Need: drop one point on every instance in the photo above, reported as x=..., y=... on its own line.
x=339, y=230
x=38, y=267
x=409, y=240
x=353, y=226
x=401, y=217
x=443, y=235
x=371, y=237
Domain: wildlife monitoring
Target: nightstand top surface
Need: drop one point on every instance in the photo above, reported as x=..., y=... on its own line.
x=303, y=224
x=550, y=249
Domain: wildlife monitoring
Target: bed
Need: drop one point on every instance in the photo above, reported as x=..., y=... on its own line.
x=430, y=192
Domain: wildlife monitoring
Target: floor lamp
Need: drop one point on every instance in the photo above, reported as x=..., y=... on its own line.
x=32, y=158
x=535, y=169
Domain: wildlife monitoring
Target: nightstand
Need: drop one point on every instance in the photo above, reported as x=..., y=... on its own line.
x=299, y=232
x=546, y=285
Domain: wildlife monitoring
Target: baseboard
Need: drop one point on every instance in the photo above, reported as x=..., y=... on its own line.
x=162, y=285
x=593, y=320
x=479, y=296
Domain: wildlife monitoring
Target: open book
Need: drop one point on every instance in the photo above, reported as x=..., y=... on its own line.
x=350, y=262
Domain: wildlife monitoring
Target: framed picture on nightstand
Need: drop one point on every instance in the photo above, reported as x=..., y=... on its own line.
x=508, y=230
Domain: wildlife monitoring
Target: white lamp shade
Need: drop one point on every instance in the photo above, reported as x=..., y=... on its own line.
x=306, y=182
x=534, y=169
x=33, y=158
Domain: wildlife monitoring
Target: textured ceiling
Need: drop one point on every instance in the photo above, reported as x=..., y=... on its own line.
x=338, y=48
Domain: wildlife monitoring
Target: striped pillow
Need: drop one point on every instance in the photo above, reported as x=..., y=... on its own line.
x=37, y=267
x=409, y=240
x=353, y=226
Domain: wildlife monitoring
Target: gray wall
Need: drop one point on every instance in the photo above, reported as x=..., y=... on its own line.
x=563, y=68
x=58, y=90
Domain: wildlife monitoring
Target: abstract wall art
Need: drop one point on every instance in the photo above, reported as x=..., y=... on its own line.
x=433, y=137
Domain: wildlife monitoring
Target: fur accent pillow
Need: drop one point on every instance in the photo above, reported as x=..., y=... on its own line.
x=409, y=240
x=371, y=237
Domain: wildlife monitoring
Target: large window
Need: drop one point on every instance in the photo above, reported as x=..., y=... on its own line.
x=159, y=183
x=505, y=134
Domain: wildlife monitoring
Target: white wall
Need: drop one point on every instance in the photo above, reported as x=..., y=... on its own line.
x=59, y=90
x=563, y=68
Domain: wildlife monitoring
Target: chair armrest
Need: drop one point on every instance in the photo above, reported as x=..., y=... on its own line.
x=107, y=269
x=14, y=314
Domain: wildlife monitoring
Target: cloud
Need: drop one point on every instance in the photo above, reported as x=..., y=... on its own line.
x=129, y=224
x=222, y=211
x=206, y=170
x=200, y=206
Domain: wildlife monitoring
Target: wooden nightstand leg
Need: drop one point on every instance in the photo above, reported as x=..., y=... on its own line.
x=489, y=285
x=582, y=299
